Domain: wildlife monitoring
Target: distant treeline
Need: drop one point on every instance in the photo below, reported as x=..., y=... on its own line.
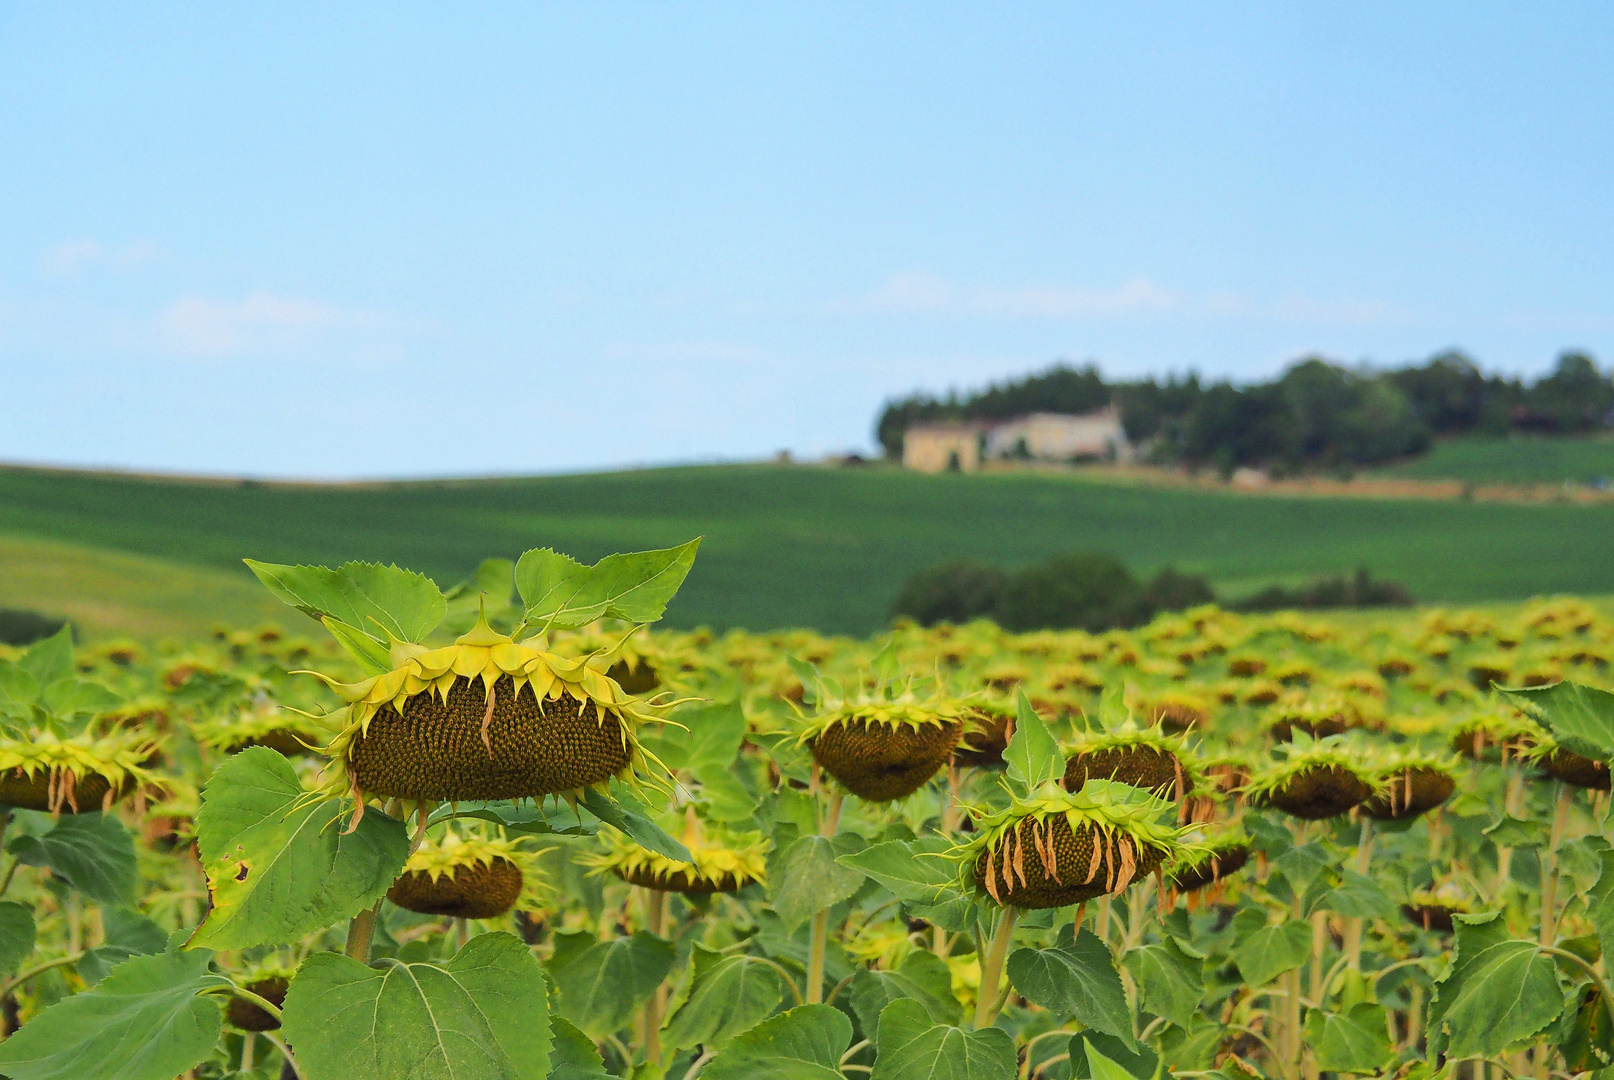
x=1317, y=414
x=1095, y=591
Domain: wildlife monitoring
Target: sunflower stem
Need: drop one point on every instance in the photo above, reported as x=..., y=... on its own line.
x=249, y=1043
x=815, y=957
x=1549, y=868
x=360, y=929
x=987, y=1001
x=655, y=911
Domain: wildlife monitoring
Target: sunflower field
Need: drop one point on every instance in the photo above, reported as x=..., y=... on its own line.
x=509, y=830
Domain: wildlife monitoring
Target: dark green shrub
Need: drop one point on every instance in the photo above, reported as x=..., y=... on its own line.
x=19, y=627
x=954, y=591
x=1086, y=590
x=1171, y=590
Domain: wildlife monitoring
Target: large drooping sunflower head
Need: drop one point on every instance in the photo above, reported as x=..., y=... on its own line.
x=491, y=715
x=1318, y=778
x=485, y=718
x=44, y=770
x=1203, y=868
x=468, y=877
x=882, y=748
x=1496, y=734
x=721, y=860
x=1055, y=847
x=262, y=723
x=1416, y=781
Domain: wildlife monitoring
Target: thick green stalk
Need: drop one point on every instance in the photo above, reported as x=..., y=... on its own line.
x=986, y=1001
x=1549, y=869
x=360, y=929
x=655, y=905
x=815, y=957
x=828, y=824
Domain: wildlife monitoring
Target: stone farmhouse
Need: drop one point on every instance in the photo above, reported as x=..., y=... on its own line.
x=1048, y=437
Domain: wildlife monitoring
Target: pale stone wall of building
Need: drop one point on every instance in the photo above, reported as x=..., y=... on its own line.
x=939, y=447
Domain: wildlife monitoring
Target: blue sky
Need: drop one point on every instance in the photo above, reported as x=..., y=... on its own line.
x=445, y=239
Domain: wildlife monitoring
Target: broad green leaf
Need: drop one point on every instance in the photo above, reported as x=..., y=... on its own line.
x=481, y=1016
x=1513, y=832
x=93, y=853
x=602, y=982
x=922, y=976
x=559, y=591
x=374, y=656
x=18, y=688
x=574, y=1055
x=1271, y=951
x=145, y=1021
x=127, y=934
x=78, y=697
x=1171, y=978
x=1358, y=896
x=724, y=995
x=380, y=601
x=805, y=1043
x=1303, y=865
x=16, y=936
x=1600, y=903
x=1353, y=1042
x=1580, y=717
x=1032, y=756
x=910, y=869
x=1076, y=978
x=624, y=810
x=1497, y=991
x=50, y=659
x=708, y=741
x=1111, y=1053
x=911, y=1046
x=805, y=878
x=278, y=864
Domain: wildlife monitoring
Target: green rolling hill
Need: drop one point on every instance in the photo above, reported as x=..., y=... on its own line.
x=785, y=545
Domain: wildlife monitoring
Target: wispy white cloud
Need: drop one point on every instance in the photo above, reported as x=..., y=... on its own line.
x=920, y=292
x=204, y=327
x=75, y=256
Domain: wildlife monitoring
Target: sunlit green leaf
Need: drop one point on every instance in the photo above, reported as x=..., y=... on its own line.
x=1076, y=978
x=1357, y=1041
x=1580, y=717
x=724, y=995
x=1032, y=756
x=280, y=865
x=805, y=878
x=805, y=1043
x=561, y=592
x=93, y=853
x=481, y=1016
x=1497, y=991
x=1272, y=950
x=922, y=976
x=376, y=600
x=144, y=1021
x=1171, y=978
x=910, y=1045
x=601, y=983
x=16, y=935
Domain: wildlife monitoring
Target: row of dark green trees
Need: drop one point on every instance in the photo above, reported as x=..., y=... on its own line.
x=1317, y=414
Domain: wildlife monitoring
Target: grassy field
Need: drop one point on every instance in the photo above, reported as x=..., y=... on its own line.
x=1511, y=461
x=784, y=546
